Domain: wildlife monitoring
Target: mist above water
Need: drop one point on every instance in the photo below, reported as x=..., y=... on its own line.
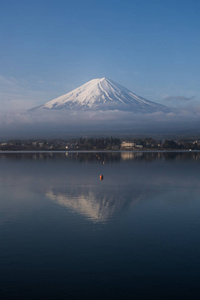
x=45, y=123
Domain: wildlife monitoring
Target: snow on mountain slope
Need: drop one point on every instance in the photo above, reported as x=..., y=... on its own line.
x=103, y=94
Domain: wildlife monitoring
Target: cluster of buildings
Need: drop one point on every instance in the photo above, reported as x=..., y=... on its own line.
x=100, y=144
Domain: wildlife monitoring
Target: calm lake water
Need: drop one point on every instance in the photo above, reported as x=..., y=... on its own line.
x=64, y=234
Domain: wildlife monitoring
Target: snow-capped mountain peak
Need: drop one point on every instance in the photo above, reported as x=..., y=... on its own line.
x=102, y=94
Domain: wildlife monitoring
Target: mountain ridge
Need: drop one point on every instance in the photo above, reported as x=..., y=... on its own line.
x=103, y=94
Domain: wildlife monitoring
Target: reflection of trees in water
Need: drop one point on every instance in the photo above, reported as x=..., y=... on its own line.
x=99, y=157
x=75, y=156
x=96, y=157
x=97, y=205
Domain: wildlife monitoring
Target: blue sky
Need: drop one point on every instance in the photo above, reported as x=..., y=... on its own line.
x=48, y=48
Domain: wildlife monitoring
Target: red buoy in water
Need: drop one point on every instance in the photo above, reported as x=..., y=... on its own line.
x=101, y=177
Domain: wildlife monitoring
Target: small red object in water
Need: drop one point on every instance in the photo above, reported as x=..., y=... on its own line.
x=101, y=177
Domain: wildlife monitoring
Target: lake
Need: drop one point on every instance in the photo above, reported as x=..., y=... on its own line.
x=66, y=234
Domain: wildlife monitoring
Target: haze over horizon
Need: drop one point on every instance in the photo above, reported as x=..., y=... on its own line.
x=48, y=48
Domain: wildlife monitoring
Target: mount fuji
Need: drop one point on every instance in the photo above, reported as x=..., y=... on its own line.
x=103, y=94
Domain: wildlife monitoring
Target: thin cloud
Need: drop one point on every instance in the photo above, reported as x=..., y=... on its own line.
x=16, y=94
x=45, y=123
x=178, y=98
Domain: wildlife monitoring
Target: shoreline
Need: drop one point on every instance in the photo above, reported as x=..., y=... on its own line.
x=100, y=151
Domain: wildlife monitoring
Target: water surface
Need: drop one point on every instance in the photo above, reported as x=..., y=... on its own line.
x=67, y=235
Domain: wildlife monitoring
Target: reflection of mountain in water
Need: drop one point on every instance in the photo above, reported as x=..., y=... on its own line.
x=98, y=206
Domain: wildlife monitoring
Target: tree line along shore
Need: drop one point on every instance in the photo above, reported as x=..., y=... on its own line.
x=102, y=144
